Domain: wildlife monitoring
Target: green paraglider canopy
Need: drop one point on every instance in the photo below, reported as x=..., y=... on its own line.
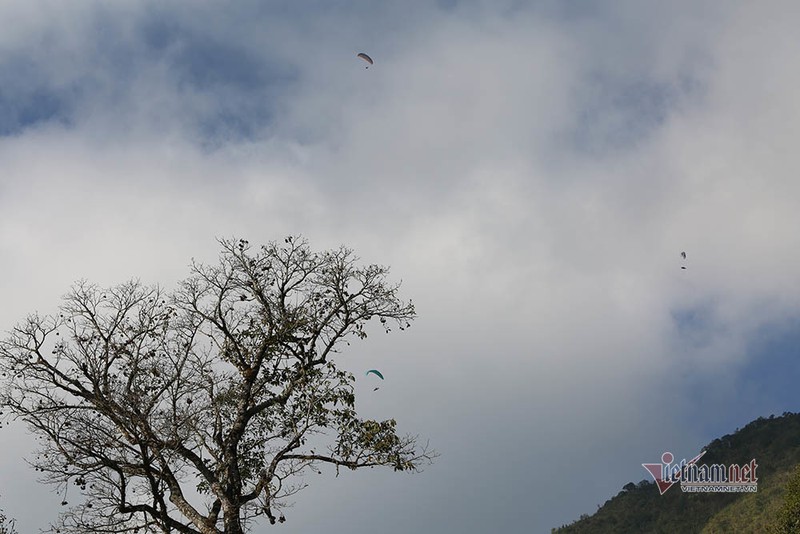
x=378, y=373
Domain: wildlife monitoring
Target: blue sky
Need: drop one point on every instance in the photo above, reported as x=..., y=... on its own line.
x=530, y=170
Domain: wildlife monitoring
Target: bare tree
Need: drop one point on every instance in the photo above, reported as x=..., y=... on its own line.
x=197, y=411
x=7, y=526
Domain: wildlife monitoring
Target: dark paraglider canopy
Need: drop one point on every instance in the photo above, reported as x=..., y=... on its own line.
x=366, y=58
x=375, y=372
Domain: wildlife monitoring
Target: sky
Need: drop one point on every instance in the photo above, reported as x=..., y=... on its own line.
x=531, y=171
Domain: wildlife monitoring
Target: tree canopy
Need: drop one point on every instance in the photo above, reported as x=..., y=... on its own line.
x=7, y=526
x=198, y=410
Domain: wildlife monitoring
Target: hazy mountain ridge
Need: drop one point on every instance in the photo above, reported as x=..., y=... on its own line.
x=775, y=444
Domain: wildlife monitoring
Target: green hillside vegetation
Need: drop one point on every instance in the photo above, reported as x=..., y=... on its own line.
x=775, y=444
x=788, y=520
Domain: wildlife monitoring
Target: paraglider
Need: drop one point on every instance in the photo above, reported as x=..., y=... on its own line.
x=366, y=58
x=376, y=373
x=683, y=255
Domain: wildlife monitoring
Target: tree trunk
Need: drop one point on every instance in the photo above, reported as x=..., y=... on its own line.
x=233, y=524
